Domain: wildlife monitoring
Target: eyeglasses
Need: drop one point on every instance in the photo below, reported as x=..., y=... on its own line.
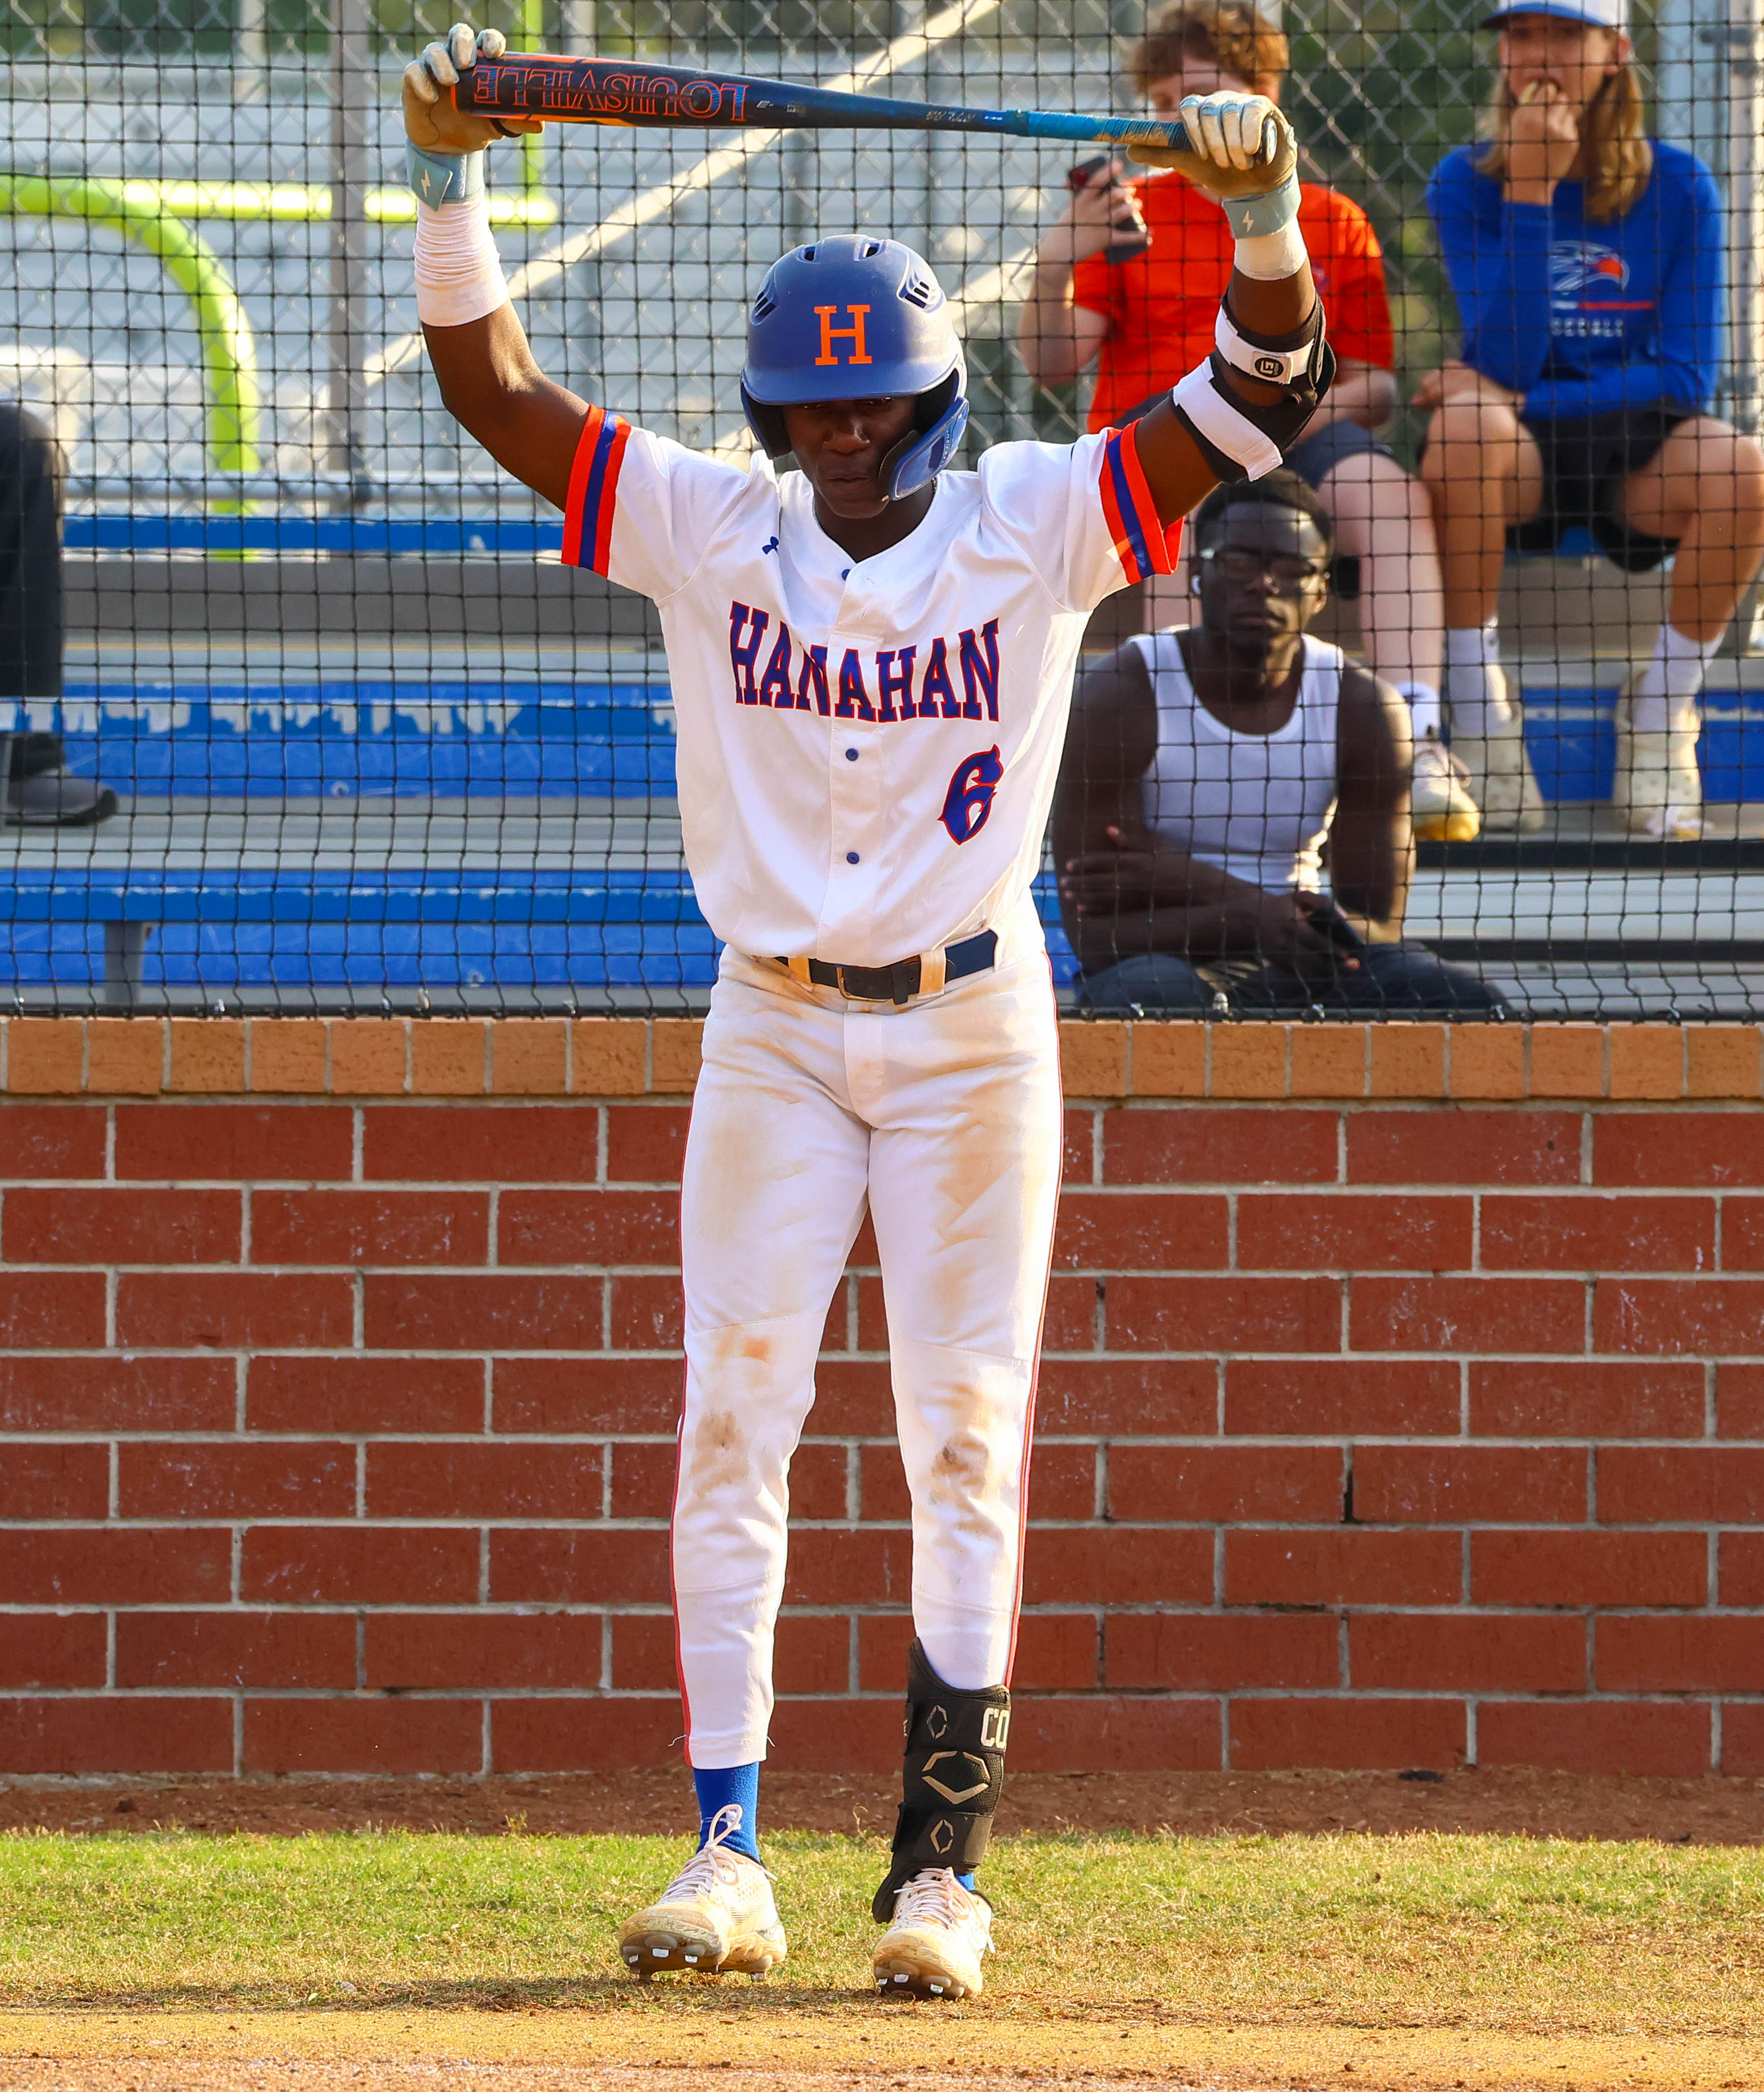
x=1285, y=569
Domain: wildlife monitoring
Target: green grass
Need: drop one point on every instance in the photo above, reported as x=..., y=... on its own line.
x=1423, y=1930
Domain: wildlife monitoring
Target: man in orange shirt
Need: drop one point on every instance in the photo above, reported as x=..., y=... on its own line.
x=1144, y=313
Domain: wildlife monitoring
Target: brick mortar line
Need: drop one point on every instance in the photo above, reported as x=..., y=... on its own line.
x=414, y=1355
x=1048, y=1609
x=1135, y=1440
x=1696, y=1696
x=657, y=1522
x=673, y=1355
x=1138, y=1438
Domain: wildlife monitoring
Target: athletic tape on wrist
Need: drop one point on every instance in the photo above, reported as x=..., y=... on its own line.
x=439, y=177
x=1275, y=255
x=1226, y=435
x=1255, y=217
x=459, y=272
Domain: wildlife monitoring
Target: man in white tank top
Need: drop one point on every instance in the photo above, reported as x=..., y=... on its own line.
x=1205, y=772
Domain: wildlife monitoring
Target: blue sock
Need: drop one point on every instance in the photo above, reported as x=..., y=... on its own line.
x=720, y=1785
x=967, y=1882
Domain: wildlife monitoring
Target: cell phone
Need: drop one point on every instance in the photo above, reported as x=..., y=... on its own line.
x=1135, y=240
x=1323, y=914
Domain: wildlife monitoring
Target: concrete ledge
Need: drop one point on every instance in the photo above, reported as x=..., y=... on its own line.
x=659, y=1057
x=487, y=599
x=1553, y=608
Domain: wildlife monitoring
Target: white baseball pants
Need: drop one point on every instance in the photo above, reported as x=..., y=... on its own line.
x=945, y=1117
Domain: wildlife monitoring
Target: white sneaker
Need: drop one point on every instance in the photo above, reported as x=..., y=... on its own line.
x=1501, y=779
x=1440, y=809
x=1657, y=790
x=716, y=1915
x=933, y=1947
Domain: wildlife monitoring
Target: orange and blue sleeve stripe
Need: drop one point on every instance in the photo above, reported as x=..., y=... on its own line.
x=1141, y=541
x=593, y=491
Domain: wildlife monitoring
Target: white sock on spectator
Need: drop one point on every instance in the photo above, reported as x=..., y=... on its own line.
x=1665, y=696
x=1475, y=688
x=1423, y=701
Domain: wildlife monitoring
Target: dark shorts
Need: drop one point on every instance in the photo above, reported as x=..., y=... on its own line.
x=1313, y=458
x=1585, y=465
x=1390, y=977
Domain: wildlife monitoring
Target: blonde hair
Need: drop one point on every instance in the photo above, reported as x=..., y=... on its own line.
x=1613, y=140
x=1230, y=34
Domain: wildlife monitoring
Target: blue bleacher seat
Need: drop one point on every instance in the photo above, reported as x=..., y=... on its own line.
x=487, y=737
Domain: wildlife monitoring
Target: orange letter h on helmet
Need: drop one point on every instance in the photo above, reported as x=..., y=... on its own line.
x=830, y=334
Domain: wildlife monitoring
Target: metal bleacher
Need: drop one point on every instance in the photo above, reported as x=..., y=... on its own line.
x=378, y=748
x=467, y=818
x=376, y=745
x=1581, y=917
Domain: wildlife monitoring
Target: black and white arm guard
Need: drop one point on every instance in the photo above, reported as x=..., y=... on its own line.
x=1243, y=439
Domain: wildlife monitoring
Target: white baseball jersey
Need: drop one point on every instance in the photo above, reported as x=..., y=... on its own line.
x=867, y=749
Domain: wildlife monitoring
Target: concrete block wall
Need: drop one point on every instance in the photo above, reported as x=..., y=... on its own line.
x=1404, y=1403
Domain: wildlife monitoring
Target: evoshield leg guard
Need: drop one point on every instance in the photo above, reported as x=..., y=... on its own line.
x=950, y=1786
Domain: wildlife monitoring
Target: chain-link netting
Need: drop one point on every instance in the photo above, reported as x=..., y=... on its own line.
x=324, y=722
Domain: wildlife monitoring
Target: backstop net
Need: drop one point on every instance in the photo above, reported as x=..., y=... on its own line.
x=308, y=714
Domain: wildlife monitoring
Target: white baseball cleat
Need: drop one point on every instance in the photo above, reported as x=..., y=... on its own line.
x=1501, y=780
x=933, y=1947
x=716, y=1915
x=1657, y=790
x=1440, y=809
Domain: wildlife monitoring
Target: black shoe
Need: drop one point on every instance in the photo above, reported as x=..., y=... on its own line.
x=58, y=799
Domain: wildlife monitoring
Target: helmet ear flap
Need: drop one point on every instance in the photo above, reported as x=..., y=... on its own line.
x=768, y=426
x=918, y=458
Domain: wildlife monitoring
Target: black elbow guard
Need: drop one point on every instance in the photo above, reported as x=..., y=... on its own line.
x=1243, y=438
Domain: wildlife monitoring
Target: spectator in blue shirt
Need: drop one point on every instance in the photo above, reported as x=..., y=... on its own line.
x=1587, y=262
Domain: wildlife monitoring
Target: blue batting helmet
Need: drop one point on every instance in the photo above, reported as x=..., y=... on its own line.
x=854, y=318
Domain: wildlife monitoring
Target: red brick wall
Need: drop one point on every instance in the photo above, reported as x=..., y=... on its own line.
x=1404, y=1402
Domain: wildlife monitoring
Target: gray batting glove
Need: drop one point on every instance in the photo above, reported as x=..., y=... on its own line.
x=431, y=119
x=1239, y=145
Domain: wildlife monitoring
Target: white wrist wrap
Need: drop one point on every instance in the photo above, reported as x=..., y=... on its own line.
x=1274, y=366
x=1271, y=255
x=1222, y=426
x=459, y=272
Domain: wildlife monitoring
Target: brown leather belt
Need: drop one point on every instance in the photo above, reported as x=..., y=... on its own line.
x=901, y=981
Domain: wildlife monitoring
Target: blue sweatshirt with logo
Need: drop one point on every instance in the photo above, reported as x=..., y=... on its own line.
x=1586, y=318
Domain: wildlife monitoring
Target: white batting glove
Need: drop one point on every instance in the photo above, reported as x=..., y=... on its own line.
x=1241, y=134
x=1240, y=151
x=458, y=51
x=431, y=123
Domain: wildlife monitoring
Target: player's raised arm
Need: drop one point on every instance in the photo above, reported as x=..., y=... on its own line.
x=1232, y=417
x=488, y=377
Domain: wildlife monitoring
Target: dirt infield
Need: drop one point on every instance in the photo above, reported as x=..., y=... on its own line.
x=860, y=2044
x=854, y=2043
x=1713, y=1811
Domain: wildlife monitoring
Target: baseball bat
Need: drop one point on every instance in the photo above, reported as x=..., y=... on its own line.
x=633, y=91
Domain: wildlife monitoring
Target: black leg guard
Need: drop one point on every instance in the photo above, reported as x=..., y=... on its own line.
x=954, y=1771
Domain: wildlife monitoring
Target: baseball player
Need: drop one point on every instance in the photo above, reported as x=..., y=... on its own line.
x=871, y=661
